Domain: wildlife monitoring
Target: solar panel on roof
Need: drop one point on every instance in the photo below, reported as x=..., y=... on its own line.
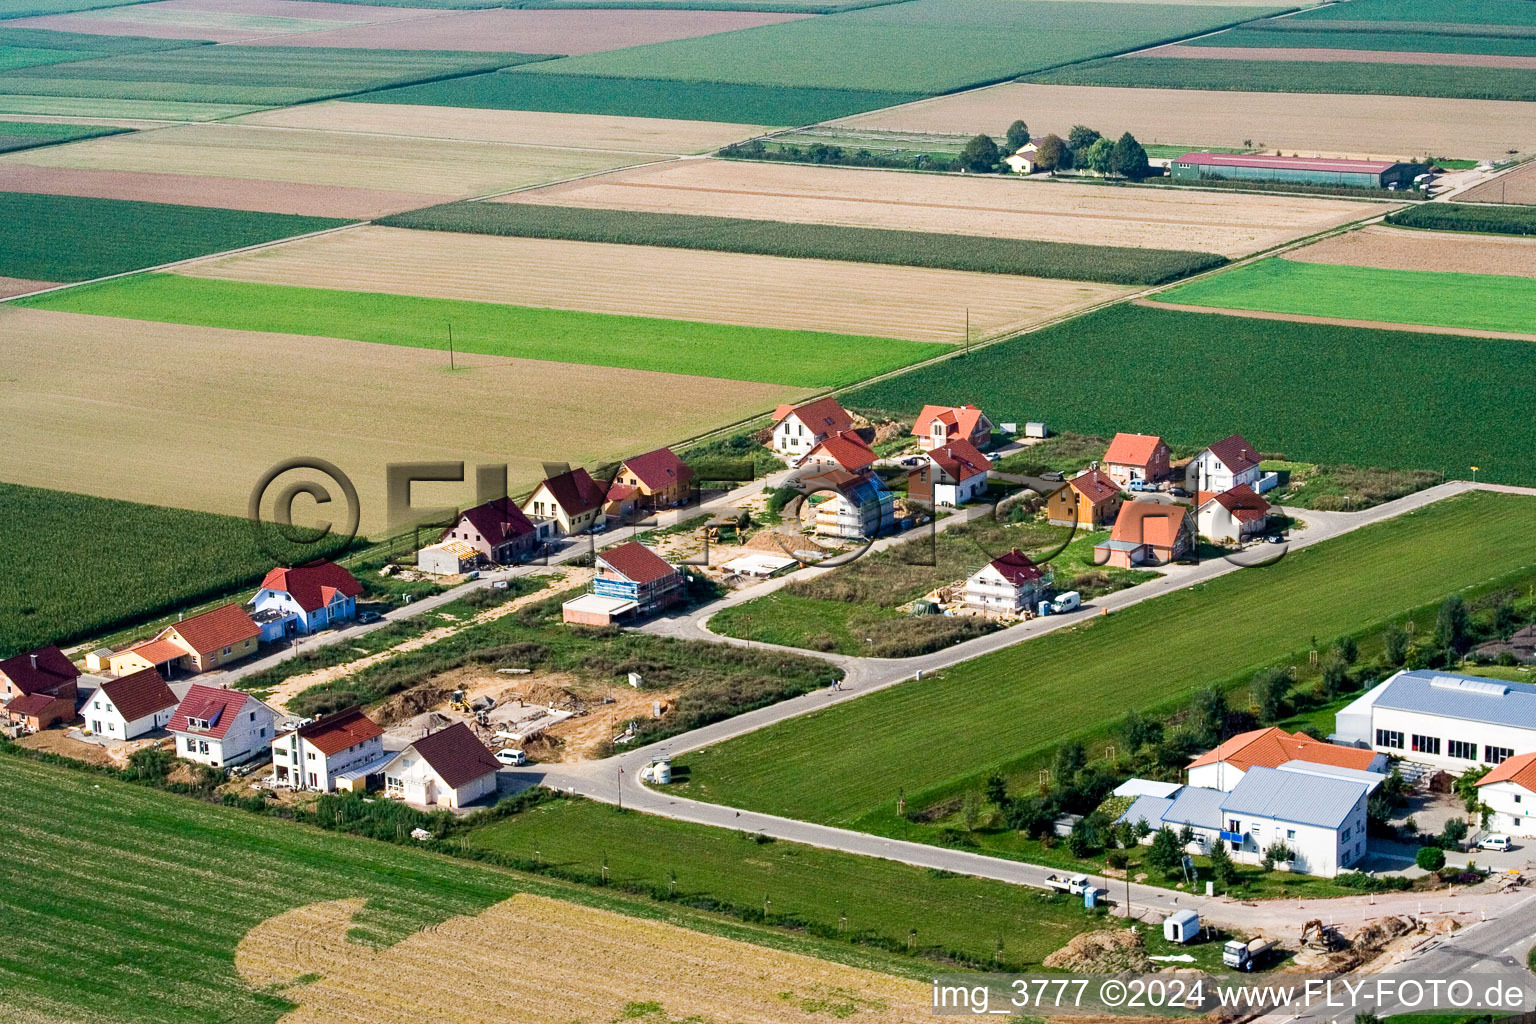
x=1485, y=687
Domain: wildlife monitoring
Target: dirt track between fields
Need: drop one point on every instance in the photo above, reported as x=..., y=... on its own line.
x=1390, y=248
x=1300, y=318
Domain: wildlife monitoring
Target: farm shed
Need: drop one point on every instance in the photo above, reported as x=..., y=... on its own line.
x=1296, y=170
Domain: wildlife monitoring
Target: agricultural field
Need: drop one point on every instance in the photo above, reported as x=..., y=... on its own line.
x=1201, y=119
x=203, y=441
x=793, y=6
x=1507, y=220
x=16, y=135
x=1364, y=370
x=1402, y=45
x=1372, y=295
x=1038, y=210
x=914, y=304
x=1516, y=186
x=219, y=21
x=347, y=174
x=1399, y=59
x=359, y=911
x=1007, y=704
x=881, y=898
x=1445, y=15
x=67, y=238
x=1068, y=260
x=1391, y=248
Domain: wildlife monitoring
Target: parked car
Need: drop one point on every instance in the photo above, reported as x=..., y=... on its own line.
x=598, y=527
x=512, y=757
x=1179, y=492
x=1498, y=842
x=364, y=618
x=1274, y=538
x=1052, y=476
x=1142, y=485
x=913, y=461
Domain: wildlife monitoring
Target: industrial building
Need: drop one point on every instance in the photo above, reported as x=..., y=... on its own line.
x=1448, y=721
x=1296, y=170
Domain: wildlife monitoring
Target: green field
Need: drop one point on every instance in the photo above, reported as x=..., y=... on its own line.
x=768, y=355
x=1462, y=12
x=16, y=135
x=882, y=898
x=37, y=8
x=123, y=905
x=1488, y=302
x=73, y=238
x=784, y=6
x=154, y=110
x=145, y=560
x=1470, y=398
x=82, y=45
x=643, y=97
x=997, y=712
x=1499, y=220
x=1419, y=42
x=12, y=57
x=1470, y=83
x=1112, y=264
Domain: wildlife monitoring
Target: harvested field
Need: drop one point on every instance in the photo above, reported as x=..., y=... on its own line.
x=333, y=159
x=20, y=286
x=1398, y=249
x=1045, y=210
x=554, y=961
x=648, y=135
x=1313, y=54
x=1517, y=186
x=912, y=303
x=199, y=190
x=98, y=108
x=502, y=30
x=222, y=21
x=120, y=431
x=1355, y=125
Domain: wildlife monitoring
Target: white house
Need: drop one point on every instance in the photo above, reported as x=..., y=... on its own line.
x=1223, y=466
x=129, y=706
x=338, y=751
x=1442, y=719
x=799, y=428
x=1006, y=585
x=449, y=768
x=848, y=506
x=1509, y=791
x=1234, y=516
x=304, y=599
x=1224, y=766
x=221, y=727
x=950, y=476
x=1025, y=159
x=843, y=450
x=568, y=503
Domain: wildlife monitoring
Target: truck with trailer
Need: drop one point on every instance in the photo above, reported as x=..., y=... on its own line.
x=1246, y=956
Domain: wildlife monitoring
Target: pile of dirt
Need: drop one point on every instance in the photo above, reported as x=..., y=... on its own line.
x=1103, y=952
x=409, y=703
x=1381, y=932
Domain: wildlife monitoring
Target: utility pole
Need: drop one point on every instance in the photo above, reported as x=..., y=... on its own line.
x=450, y=345
x=621, y=789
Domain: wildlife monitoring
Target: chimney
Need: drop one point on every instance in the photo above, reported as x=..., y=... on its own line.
x=180, y=616
x=34, y=662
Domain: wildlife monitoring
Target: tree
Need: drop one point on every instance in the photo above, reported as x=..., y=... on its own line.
x=1270, y=687
x=1018, y=136
x=1335, y=673
x=1051, y=154
x=1222, y=868
x=150, y=764
x=1276, y=852
x=1453, y=627
x=1128, y=158
x=1142, y=829
x=1138, y=731
x=1208, y=717
x=1165, y=854
x=1395, y=644
x=1454, y=832
x=1028, y=815
x=1347, y=649
x=1080, y=138
x=1187, y=835
x=980, y=155
x=1465, y=786
x=997, y=790
x=1097, y=156
x=1071, y=759
x=1430, y=858
x=970, y=810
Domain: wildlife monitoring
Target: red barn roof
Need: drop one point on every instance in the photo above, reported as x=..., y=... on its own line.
x=636, y=562
x=1287, y=163
x=456, y=755
x=138, y=694
x=313, y=587
x=40, y=671
x=214, y=705
x=659, y=469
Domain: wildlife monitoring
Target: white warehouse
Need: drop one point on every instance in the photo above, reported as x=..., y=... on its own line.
x=1441, y=719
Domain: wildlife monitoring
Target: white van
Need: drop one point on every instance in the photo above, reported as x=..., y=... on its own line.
x=1498, y=842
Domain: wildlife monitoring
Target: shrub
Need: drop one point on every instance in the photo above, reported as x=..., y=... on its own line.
x=1430, y=858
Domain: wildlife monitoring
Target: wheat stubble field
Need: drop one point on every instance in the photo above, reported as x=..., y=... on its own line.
x=1391, y=248
x=911, y=303
x=1044, y=210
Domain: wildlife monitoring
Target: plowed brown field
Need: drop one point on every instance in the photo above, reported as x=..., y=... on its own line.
x=1400, y=249
x=1386, y=126
x=1517, y=186
x=1049, y=210
x=649, y=135
x=20, y=286
x=192, y=416
x=682, y=284
x=1326, y=55
x=556, y=962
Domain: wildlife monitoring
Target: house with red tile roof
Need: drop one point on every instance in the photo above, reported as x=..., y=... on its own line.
x=632, y=581
x=497, y=530
x=1008, y=585
x=305, y=599
x=336, y=751
x=799, y=428
x=567, y=503
x=949, y=476
x=1224, y=766
x=46, y=670
x=449, y=768
x=34, y=712
x=203, y=642
x=129, y=706
x=1146, y=532
x=844, y=450
x=1234, y=516
x=659, y=479
x=1509, y=792
x=220, y=727
x=1089, y=500
x=1137, y=457
x=1221, y=467
x=939, y=425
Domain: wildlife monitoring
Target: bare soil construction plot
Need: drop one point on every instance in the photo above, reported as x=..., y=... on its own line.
x=556, y=31
x=184, y=416
x=556, y=962
x=1317, y=53
x=223, y=21
x=1040, y=209
x=1386, y=126
x=1517, y=186
x=1403, y=249
x=732, y=288
x=647, y=135
x=331, y=159
x=224, y=193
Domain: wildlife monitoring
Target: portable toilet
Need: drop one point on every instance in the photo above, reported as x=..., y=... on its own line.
x=1090, y=897
x=1181, y=927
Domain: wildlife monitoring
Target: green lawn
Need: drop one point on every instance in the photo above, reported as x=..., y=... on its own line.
x=996, y=712
x=73, y=238
x=123, y=905
x=1415, y=400
x=1490, y=302
x=881, y=898
x=797, y=358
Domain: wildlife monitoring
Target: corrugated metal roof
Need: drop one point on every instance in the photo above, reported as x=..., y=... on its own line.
x=1467, y=698
x=1333, y=771
x=1149, y=809
x=1287, y=163
x=1294, y=797
x=1194, y=806
x=1147, y=787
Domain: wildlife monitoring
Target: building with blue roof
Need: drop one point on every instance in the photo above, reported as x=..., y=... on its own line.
x=1442, y=719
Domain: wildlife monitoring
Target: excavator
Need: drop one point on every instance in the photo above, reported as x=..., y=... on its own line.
x=1325, y=937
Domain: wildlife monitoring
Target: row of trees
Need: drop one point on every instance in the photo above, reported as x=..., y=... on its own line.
x=1083, y=148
